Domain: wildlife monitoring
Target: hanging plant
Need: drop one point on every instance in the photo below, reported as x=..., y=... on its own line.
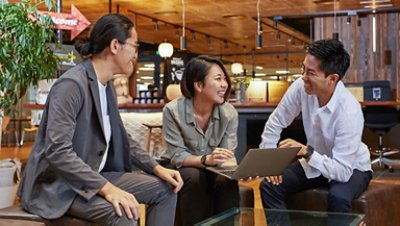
x=25, y=57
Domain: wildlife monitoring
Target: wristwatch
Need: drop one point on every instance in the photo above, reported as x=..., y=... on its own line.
x=310, y=151
x=203, y=160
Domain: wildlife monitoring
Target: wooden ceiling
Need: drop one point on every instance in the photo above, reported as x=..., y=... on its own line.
x=232, y=21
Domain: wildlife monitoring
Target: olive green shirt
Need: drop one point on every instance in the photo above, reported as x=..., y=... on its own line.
x=184, y=137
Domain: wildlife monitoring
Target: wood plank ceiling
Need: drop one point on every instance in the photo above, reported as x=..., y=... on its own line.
x=232, y=21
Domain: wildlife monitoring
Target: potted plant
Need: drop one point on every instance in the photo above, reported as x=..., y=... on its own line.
x=25, y=58
x=9, y=176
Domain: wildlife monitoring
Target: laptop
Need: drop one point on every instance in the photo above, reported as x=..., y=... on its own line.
x=259, y=162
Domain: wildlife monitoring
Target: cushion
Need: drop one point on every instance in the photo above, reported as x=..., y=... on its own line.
x=15, y=215
x=377, y=202
x=133, y=122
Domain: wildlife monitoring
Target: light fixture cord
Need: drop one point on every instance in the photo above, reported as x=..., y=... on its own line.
x=334, y=16
x=183, y=18
x=258, y=18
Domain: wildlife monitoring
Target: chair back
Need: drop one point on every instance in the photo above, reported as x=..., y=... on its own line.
x=380, y=117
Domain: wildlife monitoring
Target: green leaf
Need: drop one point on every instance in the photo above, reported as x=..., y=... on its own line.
x=49, y=4
x=24, y=56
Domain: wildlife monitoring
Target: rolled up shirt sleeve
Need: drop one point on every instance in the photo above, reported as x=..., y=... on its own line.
x=184, y=137
x=176, y=149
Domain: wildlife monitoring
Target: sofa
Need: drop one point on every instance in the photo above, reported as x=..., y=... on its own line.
x=16, y=216
x=133, y=122
x=134, y=126
x=380, y=202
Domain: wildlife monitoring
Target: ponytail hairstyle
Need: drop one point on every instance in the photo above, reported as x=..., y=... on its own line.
x=107, y=28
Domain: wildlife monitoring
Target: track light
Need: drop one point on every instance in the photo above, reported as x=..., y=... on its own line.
x=177, y=32
x=258, y=41
x=182, y=36
x=349, y=14
x=193, y=36
x=155, y=27
x=208, y=39
x=183, y=43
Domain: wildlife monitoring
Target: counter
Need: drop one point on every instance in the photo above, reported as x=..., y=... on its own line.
x=252, y=118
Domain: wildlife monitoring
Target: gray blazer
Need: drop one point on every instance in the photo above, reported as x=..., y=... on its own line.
x=70, y=144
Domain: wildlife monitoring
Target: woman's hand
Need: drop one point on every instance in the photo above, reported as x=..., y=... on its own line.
x=172, y=176
x=218, y=156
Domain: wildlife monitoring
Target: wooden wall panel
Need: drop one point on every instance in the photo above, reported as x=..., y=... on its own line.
x=358, y=41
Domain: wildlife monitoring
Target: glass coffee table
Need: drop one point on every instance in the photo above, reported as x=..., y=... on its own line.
x=271, y=217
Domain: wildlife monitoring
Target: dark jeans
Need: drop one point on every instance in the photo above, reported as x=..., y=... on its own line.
x=340, y=194
x=204, y=194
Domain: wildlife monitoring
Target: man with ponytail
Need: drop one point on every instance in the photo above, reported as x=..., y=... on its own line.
x=82, y=161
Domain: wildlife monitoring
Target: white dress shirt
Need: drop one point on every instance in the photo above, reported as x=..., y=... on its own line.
x=334, y=130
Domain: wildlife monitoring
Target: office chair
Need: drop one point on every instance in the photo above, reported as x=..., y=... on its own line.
x=380, y=119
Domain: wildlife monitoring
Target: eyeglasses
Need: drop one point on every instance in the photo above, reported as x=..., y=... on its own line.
x=134, y=45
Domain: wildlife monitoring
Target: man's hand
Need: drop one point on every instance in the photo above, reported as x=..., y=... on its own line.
x=249, y=179
x=275, y=180
x=117, y=197
x=288, y=143
x=172, y=176
x=218, y=156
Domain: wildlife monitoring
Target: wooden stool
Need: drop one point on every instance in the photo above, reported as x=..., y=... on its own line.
x=32, y=129
x=149, y=134
x=7, y=131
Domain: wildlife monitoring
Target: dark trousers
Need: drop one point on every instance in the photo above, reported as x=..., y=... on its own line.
x=340, y=194
x=151, y=190
x=204, y=194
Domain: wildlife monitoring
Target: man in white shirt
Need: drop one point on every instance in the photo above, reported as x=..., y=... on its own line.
x=334, y=155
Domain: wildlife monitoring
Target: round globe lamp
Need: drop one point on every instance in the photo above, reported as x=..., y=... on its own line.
x=237, y=68
x=173, y=91
x=165, y=49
